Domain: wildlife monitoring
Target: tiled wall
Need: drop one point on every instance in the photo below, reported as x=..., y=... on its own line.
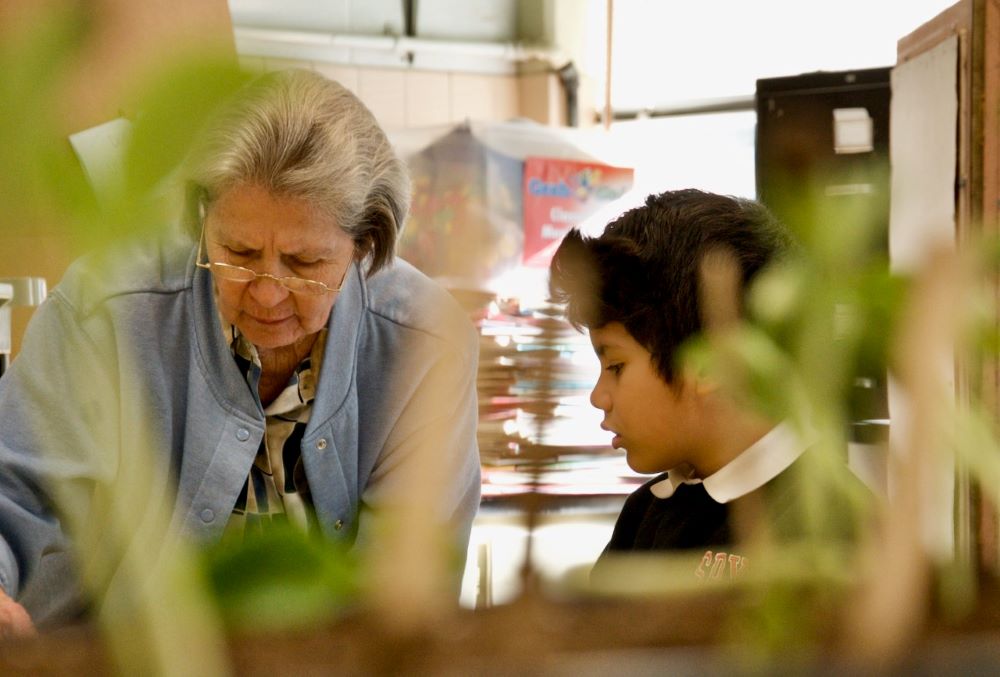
x=407, y=99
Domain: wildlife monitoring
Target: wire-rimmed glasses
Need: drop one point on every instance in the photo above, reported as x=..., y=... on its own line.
x=297, y=285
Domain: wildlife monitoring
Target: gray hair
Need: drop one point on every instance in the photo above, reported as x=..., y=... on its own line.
x=299, y=134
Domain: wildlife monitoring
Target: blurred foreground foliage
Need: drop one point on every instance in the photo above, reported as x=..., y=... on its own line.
x=39, y=182
x=831, y=312
x=42, y=183
x=155, y=612
x=281, y=578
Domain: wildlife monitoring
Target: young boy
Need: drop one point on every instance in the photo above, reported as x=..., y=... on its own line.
x=637, y=288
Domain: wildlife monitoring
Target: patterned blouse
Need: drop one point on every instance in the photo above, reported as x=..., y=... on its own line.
x=276, y=488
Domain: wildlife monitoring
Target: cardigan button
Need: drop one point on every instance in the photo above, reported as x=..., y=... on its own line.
x=321, y=443
x=207, y=515
x=338, y=525
x=242, y=434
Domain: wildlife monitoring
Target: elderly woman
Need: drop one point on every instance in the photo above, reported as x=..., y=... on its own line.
x=280, y=363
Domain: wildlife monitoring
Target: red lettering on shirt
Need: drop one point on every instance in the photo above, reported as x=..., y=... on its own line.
x=713, y=565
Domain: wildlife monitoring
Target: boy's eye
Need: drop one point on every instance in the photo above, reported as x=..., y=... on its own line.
x=615, y=368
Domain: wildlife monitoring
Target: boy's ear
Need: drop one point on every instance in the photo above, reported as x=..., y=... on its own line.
x=705, y=386
x=699, y=382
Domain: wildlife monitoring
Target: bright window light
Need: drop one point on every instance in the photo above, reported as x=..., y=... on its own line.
x=668, y=53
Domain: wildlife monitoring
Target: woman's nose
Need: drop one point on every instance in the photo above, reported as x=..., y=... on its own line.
x=267, y=291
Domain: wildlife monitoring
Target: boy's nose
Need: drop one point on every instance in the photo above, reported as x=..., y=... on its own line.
x=599, y=398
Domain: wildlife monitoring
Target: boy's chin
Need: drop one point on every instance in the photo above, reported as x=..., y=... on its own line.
x=643, y=464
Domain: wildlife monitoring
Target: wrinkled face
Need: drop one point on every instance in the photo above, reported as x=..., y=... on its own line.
x=281, y=236
x=652, y=421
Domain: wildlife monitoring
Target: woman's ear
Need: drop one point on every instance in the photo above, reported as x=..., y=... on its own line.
x=195, y=207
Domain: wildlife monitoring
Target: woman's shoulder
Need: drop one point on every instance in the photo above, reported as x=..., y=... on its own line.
x=156, y=264
x=401, y=294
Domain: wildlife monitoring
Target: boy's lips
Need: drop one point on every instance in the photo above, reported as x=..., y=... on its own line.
x=616, y=441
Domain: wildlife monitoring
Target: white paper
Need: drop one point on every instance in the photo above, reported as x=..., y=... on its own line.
x=853, y=131
x=922, y=149
x=101, y=151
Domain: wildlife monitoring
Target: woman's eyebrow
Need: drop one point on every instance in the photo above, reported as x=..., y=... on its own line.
x=231, y=241
x=236, y=244
x=305, y=253
x=318, y=253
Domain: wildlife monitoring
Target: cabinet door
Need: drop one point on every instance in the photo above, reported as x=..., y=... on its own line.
x=945, y=190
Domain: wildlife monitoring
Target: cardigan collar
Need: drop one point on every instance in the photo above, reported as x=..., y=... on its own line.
x=340, y=359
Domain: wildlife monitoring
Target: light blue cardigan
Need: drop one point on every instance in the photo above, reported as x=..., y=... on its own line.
x=135, y=337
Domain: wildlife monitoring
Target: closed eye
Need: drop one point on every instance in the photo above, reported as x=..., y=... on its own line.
x=615, y=368
x=305, y=263
x=242, y=253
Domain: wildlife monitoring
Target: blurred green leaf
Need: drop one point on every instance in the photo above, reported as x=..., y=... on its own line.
x=39, y=180
x=281, y=578
x=778, y=294
x=748, y=364
x=174, y=107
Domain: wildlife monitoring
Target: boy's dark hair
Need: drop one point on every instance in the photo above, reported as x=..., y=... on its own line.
x=643, y=270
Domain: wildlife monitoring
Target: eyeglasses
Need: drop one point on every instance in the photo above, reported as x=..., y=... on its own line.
x=297, y=285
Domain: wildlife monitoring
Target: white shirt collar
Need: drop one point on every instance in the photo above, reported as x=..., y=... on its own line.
x=760, y=463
